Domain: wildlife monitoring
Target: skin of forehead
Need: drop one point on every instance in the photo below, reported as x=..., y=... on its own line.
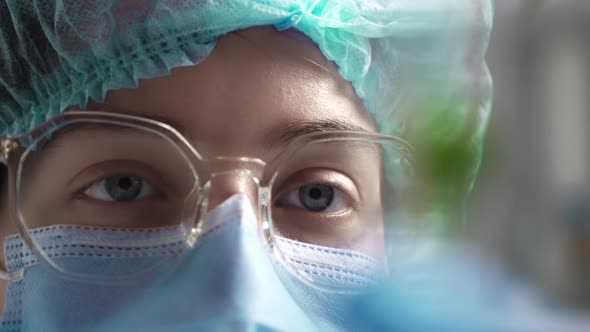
x=254, y=80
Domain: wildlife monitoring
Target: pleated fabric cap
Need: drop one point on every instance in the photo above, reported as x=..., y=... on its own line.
x=58, y=53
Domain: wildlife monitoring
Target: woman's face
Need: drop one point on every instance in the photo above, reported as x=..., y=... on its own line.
x=258, y=87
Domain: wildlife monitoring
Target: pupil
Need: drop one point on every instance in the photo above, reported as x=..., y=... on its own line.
x=316, y=197
x=125, y=183
x=315, y=193
x=122, y=188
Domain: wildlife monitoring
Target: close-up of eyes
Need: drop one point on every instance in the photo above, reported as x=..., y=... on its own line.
x=121, y=188
x=315, y=198
x=332, y=196
x=326, y=206
x=319, y=191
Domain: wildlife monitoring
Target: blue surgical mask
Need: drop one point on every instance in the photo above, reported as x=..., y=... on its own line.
x=227, y=282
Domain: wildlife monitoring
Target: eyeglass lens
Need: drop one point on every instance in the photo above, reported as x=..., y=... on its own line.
x=116, y=175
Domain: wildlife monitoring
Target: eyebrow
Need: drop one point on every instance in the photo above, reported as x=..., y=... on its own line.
x=289, y=131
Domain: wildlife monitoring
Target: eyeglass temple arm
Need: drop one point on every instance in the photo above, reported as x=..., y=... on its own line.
x=7, y=146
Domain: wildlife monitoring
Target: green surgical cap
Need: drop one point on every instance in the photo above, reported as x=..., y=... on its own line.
x=59, y=53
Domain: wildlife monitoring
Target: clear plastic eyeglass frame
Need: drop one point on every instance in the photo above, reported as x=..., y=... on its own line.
x=260, y=173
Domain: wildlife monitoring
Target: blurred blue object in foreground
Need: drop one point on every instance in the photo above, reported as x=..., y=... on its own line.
x=454, y=292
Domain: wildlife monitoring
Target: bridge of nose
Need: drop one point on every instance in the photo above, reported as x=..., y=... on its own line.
x=234, y=175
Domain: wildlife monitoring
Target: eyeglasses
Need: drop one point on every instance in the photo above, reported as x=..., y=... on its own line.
x=96, y=169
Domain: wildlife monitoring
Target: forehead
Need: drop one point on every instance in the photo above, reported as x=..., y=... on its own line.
x=254, y=81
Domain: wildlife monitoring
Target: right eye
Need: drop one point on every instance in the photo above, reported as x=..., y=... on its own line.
x=120, y=188
x=316, y=197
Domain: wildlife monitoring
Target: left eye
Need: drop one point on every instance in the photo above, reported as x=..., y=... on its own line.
x=120, y=188
x=315, y=198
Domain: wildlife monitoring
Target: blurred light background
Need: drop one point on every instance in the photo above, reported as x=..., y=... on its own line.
x=531, y=205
